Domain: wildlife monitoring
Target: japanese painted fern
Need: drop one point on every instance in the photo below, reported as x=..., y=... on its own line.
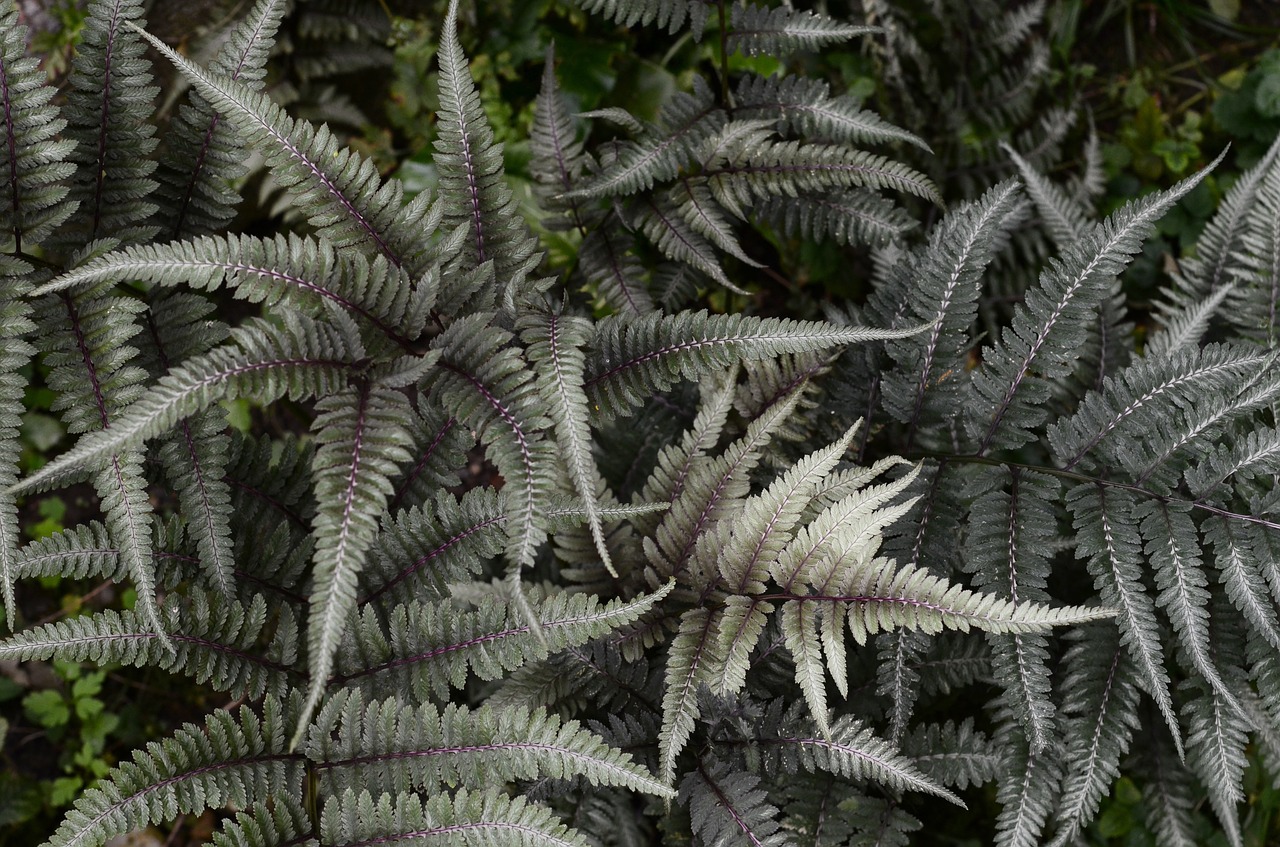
x=694, y=576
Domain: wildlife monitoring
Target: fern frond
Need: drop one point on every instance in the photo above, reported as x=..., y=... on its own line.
x=262, y=361
x=756, y=30
x=1012, y=524
x=15, y=353
x=670, y=15
x=1169, y=795
x=630, y=359
x=472, y=187
x=855, y=216
x=1173, y=548
x=267, y=271
x=1100, y=705
x=429, y=648
x=214, y=642
x=754, y=170
x=850, y=750
x=423, y=549
x=1065, y=218
x=1216, y=738
x=1026, y=793
x=884, y=596
x=555, y=349
x=487, y=818
x=230, y=761
x=1218, y=245
x=32, y=157
x=344, y=197
x=693, y=661
x=942, y=291
x=687, y=123
x=387, y=746
x=730, y=807
x=282, y=823
x=1048, y=329
x=804, y=106
x=202, y=158
x=953, y=754
x=608, y=260
x=487, y=385
x=1107, y=532
x=557, y=155
x=108, y=112
x=680, y=241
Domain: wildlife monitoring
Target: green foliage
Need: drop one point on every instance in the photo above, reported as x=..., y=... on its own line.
x=724, y=561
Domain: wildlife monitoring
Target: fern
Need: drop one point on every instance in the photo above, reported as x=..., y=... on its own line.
x=531, y=542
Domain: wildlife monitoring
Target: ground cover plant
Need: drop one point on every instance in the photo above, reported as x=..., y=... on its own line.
x=705, y=577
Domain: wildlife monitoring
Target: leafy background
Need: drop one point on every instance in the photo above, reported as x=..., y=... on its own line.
x=1163, y=86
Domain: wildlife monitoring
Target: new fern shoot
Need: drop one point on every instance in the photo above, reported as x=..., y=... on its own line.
x=717, y=596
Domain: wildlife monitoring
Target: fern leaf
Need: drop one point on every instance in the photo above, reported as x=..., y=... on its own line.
x=282, y=823
x=15, y=353
x=267, y=271
x=884, y=596
x=230, y=761
x=305, y=358
x=852, y=217
x=108, y=111
x=488, y=386
x=729, y=807
x=203, y=156
x=1107, y=532
x=213, y=642
x=747, y=548
x=1100, y=702
x=422, y=550
x=471, y=177
x=756, y=30
x=1012, y=523
x=1026, y=794
x=738, y=632
x=430, y=648
x=1216, y=739
x=555, y=343
x=32, y=157
x=608, y=261
x=693, y=661
x=804, y=106
x=386, y=746
x=489, y=818
x=799, y=629
x=628, y=360
x=360, y=433
x=1064, y=217
x=943, y=290
x=1047, y=330
x=850, y=751
x=744, y=173
x=342, y=193
x=1243, y=576
x=953, y=754
x=1168, y=795
x=1218, y=245
x=670, y=15
x=1146, y=395
x=1173, y=546
x=842, y=538
x=679, y=240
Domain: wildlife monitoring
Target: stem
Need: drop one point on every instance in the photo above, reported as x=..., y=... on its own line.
x=724, y=57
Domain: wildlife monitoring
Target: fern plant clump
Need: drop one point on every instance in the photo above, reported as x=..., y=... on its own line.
x=712, y=593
